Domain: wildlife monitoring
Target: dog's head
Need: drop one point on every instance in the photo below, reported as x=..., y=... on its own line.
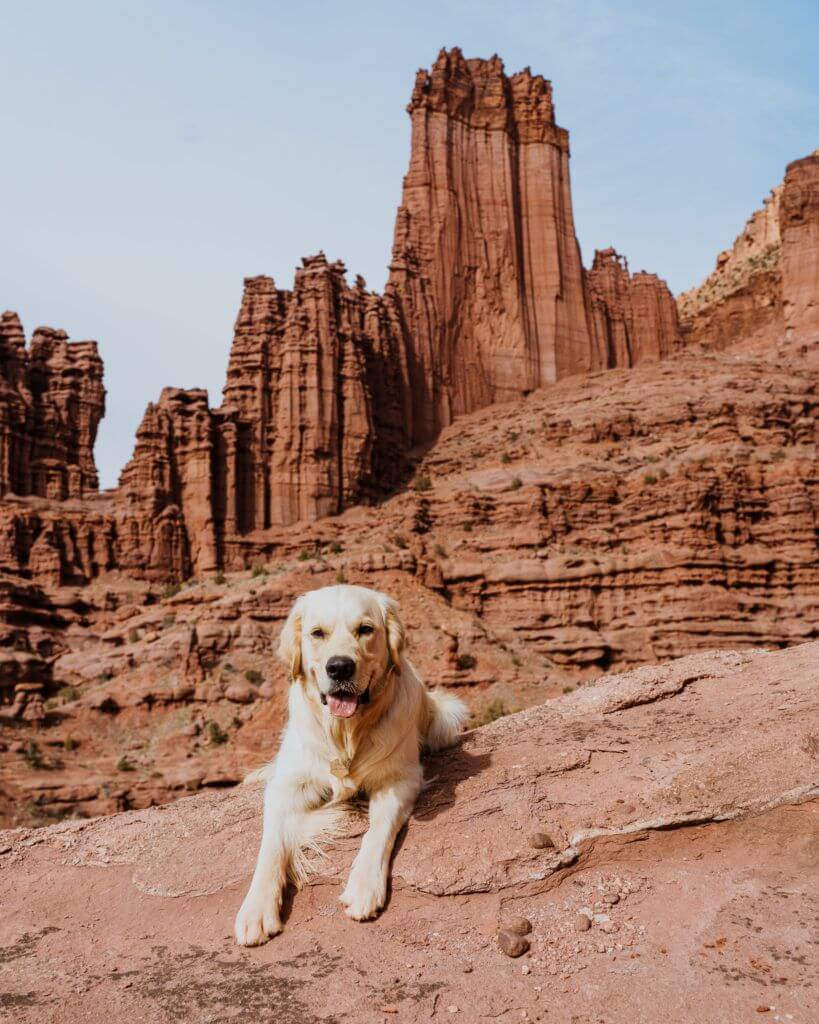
x=342, y=640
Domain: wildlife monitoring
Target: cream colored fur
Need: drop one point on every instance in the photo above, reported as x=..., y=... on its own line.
x=379, y=747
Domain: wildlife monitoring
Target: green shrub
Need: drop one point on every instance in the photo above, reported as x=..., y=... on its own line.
x=168, y=620
x=216, y=734
x=69, y=743
x=253, y=675
x=133, y=635
x=336, y=548
x=649, y=479
x=340, y=577
x=466, y=661
x=124, y=765
x=258, y=570
x=219, y=579
x=400, y=541
x=422, y=483
x=68, y=693
x=516, y=484
x=440, y=550
x=506, y=458
x=170, y=590
x=303, y=555
x=32, y=756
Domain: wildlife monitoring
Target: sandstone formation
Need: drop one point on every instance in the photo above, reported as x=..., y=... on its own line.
x=51, y=402
x=799, y=228
x=680, y=805
x=330, y=387
x=744, y=293
x=632, y=318
x=485, y=268
x=769, y=279
x=606, y=522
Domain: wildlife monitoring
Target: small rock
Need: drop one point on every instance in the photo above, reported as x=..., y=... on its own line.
x=452, y=1009
x=512, y=944
x=467, y=968
x=541, y=841
x=389, y=1009
x=763, y=1009
x=611, y=898
x=582, y=923
x=526, y=969
x=518, y=925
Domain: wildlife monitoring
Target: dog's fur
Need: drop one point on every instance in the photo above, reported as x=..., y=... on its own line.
x=324, y=760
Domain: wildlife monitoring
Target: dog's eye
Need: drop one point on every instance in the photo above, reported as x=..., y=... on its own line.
x=317, y=633
x=365, y=629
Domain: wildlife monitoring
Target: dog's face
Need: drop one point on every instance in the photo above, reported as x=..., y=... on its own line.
x=342, y=640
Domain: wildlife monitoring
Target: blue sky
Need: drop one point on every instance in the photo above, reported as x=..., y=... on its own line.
x=157, y=153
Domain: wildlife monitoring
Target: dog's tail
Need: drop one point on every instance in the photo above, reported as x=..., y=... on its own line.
x=446, y=717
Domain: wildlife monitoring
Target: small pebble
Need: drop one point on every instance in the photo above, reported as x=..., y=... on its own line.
x=512, y=944
x=467, y=968
x=526, y=969
x=540, y=841
x=518, y=925
x=763, y=1009
x=582, y=923
x=389, y=1009
x=452, y=1009
x=611, y=898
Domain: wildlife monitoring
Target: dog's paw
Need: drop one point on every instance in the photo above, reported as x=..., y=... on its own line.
x=258, y=920
x=363, y=897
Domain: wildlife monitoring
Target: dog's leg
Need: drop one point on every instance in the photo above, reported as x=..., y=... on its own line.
x=390, y=806
x=285, y=804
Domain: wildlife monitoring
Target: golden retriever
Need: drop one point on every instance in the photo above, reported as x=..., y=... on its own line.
x=358, y=717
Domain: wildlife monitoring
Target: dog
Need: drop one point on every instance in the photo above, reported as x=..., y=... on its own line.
x=358, y=718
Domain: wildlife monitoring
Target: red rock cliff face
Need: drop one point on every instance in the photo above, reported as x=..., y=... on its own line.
x=164, y=514
x=330, y=387
x=315, y=409
x=799, y=228
x=51, y=402
x=632, y=318
x=486, y=268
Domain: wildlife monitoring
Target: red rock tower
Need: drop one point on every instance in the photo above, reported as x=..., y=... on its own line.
x=486, y=269
x=799, y=230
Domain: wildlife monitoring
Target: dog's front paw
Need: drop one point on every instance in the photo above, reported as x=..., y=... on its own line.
x=363, y=896
x=258, y=920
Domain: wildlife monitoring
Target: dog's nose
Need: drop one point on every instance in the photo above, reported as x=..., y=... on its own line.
x=340, y=669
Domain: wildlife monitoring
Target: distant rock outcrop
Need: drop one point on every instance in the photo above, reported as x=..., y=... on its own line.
x=51, y=402
x=769, y=279
x=633, y=318
x=799, y=229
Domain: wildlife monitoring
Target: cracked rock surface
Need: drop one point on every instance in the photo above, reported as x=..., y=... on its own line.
x=681, y=803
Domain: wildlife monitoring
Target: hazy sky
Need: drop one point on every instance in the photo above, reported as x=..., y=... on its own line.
x=157, y=153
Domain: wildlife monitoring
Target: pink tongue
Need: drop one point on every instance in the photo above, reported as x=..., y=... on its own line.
x=342, y=707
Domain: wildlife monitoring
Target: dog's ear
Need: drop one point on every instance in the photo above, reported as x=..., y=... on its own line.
x=290, y=642
x=396, y=635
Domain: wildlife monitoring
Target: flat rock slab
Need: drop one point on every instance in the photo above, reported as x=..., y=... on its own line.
x=681, y=803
